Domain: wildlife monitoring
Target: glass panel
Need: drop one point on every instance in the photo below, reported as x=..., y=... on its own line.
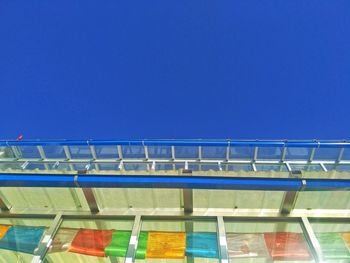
x=106, y=152
x=133, y=151
x=237, y=199
x=54, y=152
x=327, y=154
x=20, y=238
x=135, y=166
x=210, y=167
x=159, y=152
x=266, y=241
x=6, y=152
x=29, y=152
x=271, y=167
x=138, y=198
x=307, y=167
x=323, y=200
x=11, y=165
x=339, y=167
x=80, y=152
x=346, y=154
x=33, y=166
x=90, y=241
x=237, y=167
x=188, y=152
x=108, y=166
x=45, y=198
x=173, y=241
x=242, y=152
x=213, y=152
x=298, y=153
x=269, y=153
x=334, y=239
x=164, y=166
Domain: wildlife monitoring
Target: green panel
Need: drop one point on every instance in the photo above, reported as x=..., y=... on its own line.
x=333, y=246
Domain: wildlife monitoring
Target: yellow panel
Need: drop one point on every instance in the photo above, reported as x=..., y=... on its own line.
x=166, y=245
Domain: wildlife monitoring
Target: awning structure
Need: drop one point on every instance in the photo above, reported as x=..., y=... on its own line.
x=217, y=193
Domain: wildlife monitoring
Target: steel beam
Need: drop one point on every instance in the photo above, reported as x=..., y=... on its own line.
x=289, y=198
x=45, y=243
x=222, y=242
x=311, y=239
x=133, y=242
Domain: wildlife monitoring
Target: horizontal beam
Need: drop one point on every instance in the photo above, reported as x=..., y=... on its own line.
x=198, y=142
x=173, y=181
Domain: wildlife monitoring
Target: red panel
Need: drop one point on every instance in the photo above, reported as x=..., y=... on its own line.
x=91, y=242
x=287, y=246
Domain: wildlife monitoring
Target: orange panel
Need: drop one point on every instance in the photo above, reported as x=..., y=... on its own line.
x=166, y=245
x=3, y=230
x=91, y=242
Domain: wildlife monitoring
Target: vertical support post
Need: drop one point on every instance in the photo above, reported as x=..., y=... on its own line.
x=5, y=205
x=290, y=197
x=188, y=200
x=45, y=243
x=189, y=229
x=91, y=200
x=311, y=239
x=135, y=233
x=222, y=242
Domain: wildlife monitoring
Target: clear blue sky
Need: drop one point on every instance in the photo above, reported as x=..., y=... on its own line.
x=175, y=69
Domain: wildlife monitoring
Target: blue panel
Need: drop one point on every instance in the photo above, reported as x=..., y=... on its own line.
x=159, y=152
x=240, y=153
x=188, y=152
x=213, y=152
x=133, y=151
x=346, y=154
x=106, y=152
x=327, y=185
x=203, y=245
x=22, y=239
x=29, y=180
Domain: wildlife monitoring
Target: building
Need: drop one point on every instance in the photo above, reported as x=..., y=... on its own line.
x=174, y=201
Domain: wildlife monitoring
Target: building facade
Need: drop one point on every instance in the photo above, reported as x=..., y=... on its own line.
x=174, y=201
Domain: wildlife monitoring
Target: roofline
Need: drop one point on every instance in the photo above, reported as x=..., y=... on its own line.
x=189, y=142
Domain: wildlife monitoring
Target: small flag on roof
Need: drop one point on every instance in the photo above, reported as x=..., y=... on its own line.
x=287, y=246
x=166, y=245
x=22, y=238
x=246, y=245
x=91, y=242
x=332, y=246
x=202, y=245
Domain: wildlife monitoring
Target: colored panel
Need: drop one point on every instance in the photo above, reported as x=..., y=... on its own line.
x=346, y=238
x=63, y=240
x=120, y=243
x=201, y=245
x=166, y=245
x=246, y=245
x=91, y=242
x=332, y=246
x=22, y=238
x=3, y=230
x=287, y=246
